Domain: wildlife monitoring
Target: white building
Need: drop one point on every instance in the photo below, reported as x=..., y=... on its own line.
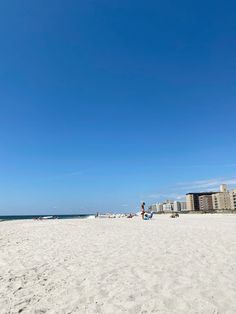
x=168, y=207
x=159, y=207
x=183, y=205
x=178, y=206
x=156, y=208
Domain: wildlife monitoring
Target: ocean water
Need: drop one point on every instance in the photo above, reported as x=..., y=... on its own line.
x=23, y=217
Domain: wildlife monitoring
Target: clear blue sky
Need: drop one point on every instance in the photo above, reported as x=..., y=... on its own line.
x=107, y=103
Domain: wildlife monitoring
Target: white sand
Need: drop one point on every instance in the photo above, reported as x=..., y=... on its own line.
x=184, y=265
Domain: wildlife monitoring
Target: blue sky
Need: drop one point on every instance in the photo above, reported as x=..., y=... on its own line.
x=107, y=103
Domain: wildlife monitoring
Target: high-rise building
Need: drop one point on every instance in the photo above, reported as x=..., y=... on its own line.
x=183, y=205
x=205, y=202
x=179, y=206
x=168, y=207
x=233, y=199
x=221, y=200
x=192, y=200
x=153, y=208
x=158, y=207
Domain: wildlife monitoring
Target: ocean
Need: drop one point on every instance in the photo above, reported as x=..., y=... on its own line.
x=23, y=217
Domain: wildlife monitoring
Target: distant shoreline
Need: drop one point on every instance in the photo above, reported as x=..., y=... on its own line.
x=84, y=216
x=30, y=217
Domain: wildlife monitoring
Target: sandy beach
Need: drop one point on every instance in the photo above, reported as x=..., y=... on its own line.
x=184, y=265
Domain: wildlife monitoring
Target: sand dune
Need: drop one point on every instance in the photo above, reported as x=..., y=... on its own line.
x=184, y=265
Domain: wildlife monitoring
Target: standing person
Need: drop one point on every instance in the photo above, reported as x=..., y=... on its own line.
x=142, y=209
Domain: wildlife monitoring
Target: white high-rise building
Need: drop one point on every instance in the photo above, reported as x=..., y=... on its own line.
x=158, y=207
x=178, y=206
x=168, y=207
x=183, y=205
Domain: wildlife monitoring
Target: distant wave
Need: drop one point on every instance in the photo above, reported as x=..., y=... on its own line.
x=90, y=217
x=30, y=217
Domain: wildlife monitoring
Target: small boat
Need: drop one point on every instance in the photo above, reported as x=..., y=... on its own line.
x=47, y=217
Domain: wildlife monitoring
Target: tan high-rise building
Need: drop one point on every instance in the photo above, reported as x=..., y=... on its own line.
x=233, y=199
x=221, y=200
x=192, y=200
x=205, y=202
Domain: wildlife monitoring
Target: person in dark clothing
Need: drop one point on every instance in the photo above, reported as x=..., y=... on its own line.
x=142, y=210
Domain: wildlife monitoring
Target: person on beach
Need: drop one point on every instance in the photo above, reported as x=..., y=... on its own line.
x=130, y=216
x=143, y=209
x=148, y=216
x=145, y=216
x=174, y=215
